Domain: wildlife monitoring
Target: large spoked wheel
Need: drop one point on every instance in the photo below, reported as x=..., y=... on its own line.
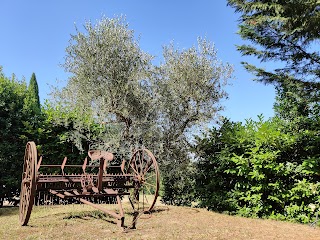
x=144, y=167
x=28, y=184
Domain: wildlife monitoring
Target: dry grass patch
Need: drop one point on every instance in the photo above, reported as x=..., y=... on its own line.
x=83, y=222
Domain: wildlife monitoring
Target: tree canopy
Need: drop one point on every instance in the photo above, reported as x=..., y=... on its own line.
x=286, y=32
x=13, y=133
x=118, y=89
x=114, y=81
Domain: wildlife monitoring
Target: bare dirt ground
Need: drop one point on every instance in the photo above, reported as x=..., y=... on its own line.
x=167, y=222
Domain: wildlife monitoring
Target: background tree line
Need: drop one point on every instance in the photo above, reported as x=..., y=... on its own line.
x=23, y=119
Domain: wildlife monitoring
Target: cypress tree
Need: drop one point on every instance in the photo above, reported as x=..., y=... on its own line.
x=33, y=90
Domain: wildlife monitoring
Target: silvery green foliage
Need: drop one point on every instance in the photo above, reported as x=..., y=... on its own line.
x=114, y=85
x=107, y=79
x=189, y=86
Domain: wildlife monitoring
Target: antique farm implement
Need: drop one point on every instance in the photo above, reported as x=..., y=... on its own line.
x=137, y=178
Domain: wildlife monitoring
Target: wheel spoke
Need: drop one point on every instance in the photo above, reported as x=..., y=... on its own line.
x=151, y=164
x=134, y=169
x=148, y=190
x=150, y=176
x=150, y=184
x=140, y=161
x=142, y=157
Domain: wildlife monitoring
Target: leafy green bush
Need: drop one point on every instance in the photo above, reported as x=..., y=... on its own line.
x=14, y=122
x=259, y=169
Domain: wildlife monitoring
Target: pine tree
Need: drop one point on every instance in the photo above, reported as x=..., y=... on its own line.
x=286, y=33
x=282, y=31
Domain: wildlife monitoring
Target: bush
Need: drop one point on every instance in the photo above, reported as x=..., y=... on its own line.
x=258, y=169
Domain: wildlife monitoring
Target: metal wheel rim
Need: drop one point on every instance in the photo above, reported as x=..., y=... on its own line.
x=28, y=183
x=144, y=166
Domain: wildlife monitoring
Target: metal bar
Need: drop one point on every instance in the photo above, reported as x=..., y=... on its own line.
x=67, y=165
x=111, y=213
x=39, y=163
x=120, y=206
x=68, y=194
x=122, y=166
x=78, y=195
x=100, y=174
x=120, y=221
x=50, y=180
x=110, y=191
x=119, y=182
x=79, y=175
x=56, y=193
x=84, y=165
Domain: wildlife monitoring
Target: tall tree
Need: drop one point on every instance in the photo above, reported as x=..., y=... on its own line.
x=286, y=32
x=33, y=90
x=12, y=133
x=189, y=86
x=114, y=82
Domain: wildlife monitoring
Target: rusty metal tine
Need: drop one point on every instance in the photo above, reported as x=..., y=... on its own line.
x=120, y=221
x=84, y=165
x=63, y=164
x=104, y=165
x=76, y=192
x=56, y=193
x=39, y=163
x=96, y=190
x=120, y=206
x=100, y=173
x=113, y=214
x=122, y=166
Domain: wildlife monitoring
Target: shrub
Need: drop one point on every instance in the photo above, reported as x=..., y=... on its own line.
x=258, y=169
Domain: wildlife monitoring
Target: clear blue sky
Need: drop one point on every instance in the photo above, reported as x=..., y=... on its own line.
x=34, y=35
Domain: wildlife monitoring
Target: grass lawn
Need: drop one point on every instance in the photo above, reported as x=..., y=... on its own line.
x=167, y=222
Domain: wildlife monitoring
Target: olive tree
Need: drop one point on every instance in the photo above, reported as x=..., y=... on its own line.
x=115, y=85
x=189, y=86
x=108, y=80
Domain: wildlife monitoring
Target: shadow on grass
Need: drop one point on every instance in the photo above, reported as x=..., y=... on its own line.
x=9, y=210
x=86, y=215
x=160, y=209
x=153, y=211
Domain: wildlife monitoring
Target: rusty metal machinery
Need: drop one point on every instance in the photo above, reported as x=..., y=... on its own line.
x=137, y=178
